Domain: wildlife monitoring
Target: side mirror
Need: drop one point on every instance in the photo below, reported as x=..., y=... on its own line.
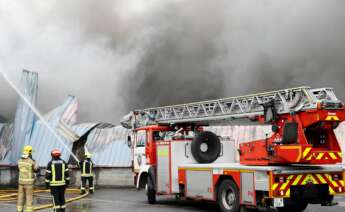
x=275, y=128
x=129, y=141
x=290, y=135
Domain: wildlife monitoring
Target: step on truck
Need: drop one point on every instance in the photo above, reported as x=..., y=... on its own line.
x=298, y=164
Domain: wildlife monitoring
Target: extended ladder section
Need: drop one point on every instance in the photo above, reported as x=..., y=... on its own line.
x=220, y=110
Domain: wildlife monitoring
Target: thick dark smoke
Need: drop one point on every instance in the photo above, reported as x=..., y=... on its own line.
x=119, y=55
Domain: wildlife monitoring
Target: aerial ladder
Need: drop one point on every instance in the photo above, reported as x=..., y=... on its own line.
x=303, y=120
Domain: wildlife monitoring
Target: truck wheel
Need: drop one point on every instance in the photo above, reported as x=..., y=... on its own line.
x=150, y=191
x=206, y=147
x=228, y=197
x=297, y=207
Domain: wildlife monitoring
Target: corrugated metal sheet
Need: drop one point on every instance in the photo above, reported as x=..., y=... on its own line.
x=109, y=147
x=83, y=128
x=43, y=140
x=24, y=118
x=6, y=136
x=115, y=154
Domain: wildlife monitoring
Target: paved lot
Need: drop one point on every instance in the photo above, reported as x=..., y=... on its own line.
x=128, y=200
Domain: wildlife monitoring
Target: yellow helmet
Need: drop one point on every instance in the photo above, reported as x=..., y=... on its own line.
x=27, y=150
x=88, y=155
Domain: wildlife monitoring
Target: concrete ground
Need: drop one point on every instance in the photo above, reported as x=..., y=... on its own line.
x=130, y=200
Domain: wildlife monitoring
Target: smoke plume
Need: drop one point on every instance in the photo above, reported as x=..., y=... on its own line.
x=118, y=55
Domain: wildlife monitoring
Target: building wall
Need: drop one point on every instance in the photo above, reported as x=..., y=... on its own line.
x=105, y=177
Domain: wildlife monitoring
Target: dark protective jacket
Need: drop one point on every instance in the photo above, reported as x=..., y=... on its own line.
x=86, y=168
x=57, y=173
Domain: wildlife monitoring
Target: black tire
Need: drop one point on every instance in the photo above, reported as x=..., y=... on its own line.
x=211, y=144
x=150, y=192
x=295, y=207
x=228, y=197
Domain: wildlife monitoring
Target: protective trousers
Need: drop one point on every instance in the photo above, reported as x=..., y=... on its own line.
x=58, y=193
x=84, y=180
x=25, y=196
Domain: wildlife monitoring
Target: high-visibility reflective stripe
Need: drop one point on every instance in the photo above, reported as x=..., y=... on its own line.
x=25, y=163
x=306, y=151
x=274, y=186
x=63, y=172
x=284, y=185
x=89, y=173
x=54, y=173
x=48, y=171
x=320, y=156
x=329, y=177
x=55, y=182
x=58, y=184
x=26, y=180
x=84, y=167
x=28, y=209
x=333, y=156
x=323, y=181
x=297, y=180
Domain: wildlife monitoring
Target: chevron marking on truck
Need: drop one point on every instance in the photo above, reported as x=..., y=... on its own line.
x=283, y=189
x=309, y=155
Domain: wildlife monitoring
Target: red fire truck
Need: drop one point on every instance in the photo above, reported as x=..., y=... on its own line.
x=298, y=164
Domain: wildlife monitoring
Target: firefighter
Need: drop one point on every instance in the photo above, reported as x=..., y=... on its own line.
x=27, y=166
x=86, y=170
x=57, y=179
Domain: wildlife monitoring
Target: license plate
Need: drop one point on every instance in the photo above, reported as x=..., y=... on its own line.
x=278, y=202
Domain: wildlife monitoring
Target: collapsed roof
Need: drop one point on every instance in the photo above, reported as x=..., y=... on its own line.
x=100, y=139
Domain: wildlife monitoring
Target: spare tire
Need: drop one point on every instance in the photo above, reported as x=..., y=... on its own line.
x=206, y=147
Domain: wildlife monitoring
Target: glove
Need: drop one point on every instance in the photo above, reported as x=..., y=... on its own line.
x=47, y=185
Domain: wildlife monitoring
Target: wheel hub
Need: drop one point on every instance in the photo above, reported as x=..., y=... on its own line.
x=204, y=147
x=229, y=199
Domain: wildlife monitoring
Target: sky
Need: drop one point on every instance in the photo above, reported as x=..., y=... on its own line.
x=119, y=55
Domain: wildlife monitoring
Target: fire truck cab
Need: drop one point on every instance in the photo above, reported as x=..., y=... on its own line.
x=145, y=140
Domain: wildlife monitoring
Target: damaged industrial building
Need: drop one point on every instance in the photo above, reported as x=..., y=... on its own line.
x=107, y=142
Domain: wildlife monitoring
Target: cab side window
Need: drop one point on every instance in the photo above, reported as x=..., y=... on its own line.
x=158, y=136
x=141, y=139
